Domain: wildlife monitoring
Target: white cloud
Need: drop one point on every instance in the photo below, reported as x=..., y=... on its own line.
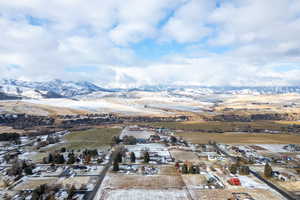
x=189, y=22
x=262, y=36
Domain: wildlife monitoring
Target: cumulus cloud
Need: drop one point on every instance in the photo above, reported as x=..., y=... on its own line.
x=211, y=71
x=189, y=23
x=234, y=43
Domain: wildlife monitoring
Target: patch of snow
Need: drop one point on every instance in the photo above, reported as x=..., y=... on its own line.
x=137, y=194
x=275, y=148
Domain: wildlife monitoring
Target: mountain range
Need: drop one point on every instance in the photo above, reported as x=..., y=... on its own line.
x=17, y=89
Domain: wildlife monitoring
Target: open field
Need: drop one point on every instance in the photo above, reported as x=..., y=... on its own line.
x=291, y=186
x=91, y=138
x=266, y=102
x=37, y=109
x=194, y=180
x=220, y=126
x=34, y=182
x=78, y=182
x=8, y=129
x=288, y=122
x=184, y=155
x=238, y=138
x=131, y=187
x=169, y=170
x=145, y=194
x=123, y=181
x=219, y=194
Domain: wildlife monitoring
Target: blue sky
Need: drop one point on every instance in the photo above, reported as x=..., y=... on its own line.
x=184, y=42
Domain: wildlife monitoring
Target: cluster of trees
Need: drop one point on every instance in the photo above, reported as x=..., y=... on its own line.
x=244, y=170
x=72, y=158
x=21, y=121
x=190, y=169
x=14, y=137
x=173, y=139
x=58, y=157
x=19, y=167
x=128, y=140
x=49, y=140
x=235, y=168
x=54, y=158
x=48, y=192
x=90, y=152
x=89, y=120
x=116, y=140
x=118, y=159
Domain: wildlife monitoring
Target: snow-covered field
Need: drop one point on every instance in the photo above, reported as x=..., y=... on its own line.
x=137, y=194
x=250, y=182
x=160, y=149
x=275, y=148
x=147, y=103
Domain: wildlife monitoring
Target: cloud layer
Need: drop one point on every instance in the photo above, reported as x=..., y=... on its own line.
x=120, y=44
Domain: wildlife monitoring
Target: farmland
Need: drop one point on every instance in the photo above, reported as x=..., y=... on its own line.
x=239, y=138
x=220, y=126
x=91, y=138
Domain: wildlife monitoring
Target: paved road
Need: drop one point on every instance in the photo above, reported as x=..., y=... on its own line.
x=96, y=193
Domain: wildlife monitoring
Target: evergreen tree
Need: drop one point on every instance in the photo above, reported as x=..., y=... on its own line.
x=173, y=139
x=71, y=159
x=71, y=193
x=50, y=158
x=116, y=166
x=61, y=159
x=146, y=157
x=116, y=140
x=233, y=168
x=268, y=170
x=35, y=195
x=28, y=170
x=132, y=157
x=119, y=157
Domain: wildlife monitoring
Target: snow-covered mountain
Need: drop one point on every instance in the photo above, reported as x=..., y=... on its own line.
x=49, y=89
x=14, y=89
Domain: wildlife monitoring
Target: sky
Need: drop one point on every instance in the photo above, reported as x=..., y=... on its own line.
x=130, y=43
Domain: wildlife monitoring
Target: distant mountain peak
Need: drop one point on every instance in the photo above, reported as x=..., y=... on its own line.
x=56, y=88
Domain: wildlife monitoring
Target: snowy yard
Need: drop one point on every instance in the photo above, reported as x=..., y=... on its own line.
x=138, y=149
x=142, y=134
x=138, y=194
x=274, y=148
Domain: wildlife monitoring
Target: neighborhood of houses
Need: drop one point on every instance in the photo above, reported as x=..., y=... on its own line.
x=147, y=163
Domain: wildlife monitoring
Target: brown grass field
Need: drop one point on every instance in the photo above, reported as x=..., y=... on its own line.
x=123, y=181
x=221, y=126
x=184, y=155
x=91, y=138
x=240, y=138
x=220, y=194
